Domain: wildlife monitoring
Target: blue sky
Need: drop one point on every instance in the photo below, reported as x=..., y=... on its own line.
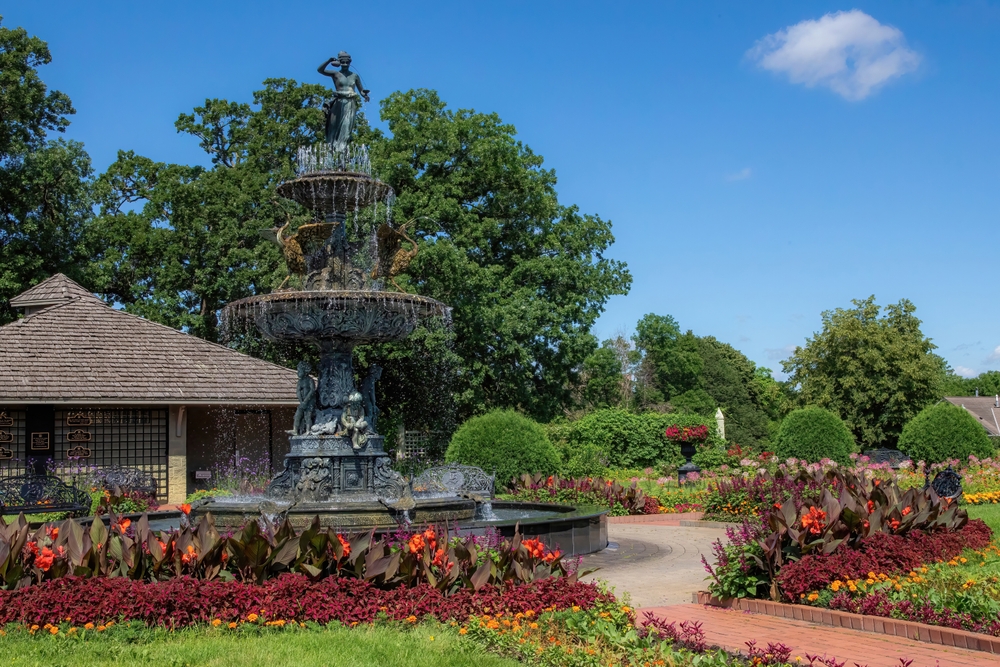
x=766, y=161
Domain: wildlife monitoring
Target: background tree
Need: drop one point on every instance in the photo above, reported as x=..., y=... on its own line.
x=608, y=374
x=45, y=201
x=526, y=276
x=874, y=370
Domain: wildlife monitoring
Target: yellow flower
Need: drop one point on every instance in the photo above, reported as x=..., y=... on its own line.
x=411, y=619
x=88, y=626
x=252, y=617
x=54, y=630
x=216, y=623
x=626, y=609
x=431, y=637
x=576, y=608
x=232, y=626
x=462, y=631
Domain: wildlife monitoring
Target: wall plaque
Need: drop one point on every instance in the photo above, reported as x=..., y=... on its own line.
x=79, y=435
x=6, y=437
x=78, y=419
x=78, y=452
x=6, y=454
x=5, y=420
x=203, y=474
x=40, y=440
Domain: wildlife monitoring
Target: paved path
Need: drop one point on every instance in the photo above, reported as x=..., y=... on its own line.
x=732, y=629
x=656, y=564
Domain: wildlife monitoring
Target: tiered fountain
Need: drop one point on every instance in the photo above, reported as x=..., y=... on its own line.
x=337, y=467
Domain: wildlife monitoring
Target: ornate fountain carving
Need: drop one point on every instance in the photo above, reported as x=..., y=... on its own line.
x=341, y=258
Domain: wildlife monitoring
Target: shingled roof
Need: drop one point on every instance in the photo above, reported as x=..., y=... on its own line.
x=983, y=408
x=80, y=350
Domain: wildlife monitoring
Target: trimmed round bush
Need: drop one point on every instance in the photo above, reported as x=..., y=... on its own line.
x=944, y=431
x=814, y=434
x=504, y=441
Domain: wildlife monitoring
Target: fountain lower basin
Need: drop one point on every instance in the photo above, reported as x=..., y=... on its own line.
x=573, y=530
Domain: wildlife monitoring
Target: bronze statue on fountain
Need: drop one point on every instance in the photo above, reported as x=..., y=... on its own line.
x=343, y=259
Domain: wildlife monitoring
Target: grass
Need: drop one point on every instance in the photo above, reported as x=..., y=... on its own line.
x=428, y=644
x=989, y=514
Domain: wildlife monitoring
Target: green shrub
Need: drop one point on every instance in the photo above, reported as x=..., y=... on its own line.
x=632, y=440
x=813, y=434
x=505, y=442
x=710, y=456
x=944, y=431
x=587, y=460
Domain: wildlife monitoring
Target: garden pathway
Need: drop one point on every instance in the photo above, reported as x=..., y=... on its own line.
x=731, y=629
x=656, y=561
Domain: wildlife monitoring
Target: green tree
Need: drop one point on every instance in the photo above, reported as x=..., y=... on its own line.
x=875, y=370
x=176, y=243
x=731, y=380
x=45, y=203
x=671, y=358
x=944, y=431
x=526, y=275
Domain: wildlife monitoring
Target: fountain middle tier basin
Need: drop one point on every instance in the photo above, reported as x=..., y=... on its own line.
x=572, y=530
x=355, y=316
x=329, y=191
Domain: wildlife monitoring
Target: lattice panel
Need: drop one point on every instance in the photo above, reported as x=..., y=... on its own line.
x=128, y=437
x=12, y=440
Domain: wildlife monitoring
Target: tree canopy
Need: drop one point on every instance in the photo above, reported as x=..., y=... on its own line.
x=527, y=276
x=876, y=370
x=45, y=200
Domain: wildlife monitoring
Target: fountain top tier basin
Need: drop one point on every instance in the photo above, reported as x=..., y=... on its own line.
x=327, y=191
x=355, y=316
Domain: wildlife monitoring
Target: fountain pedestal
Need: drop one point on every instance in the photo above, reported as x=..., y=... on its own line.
x=319, y=467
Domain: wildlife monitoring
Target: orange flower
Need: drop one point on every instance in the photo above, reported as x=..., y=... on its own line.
x=189, y=556
x=813, y=520
x=123, y=525
x=45, y=559
x=907, y=510
x=186, y=508
x=232, y=625
x=871, y=506
x=88, y=626
x=345, y=544
x=252, y=617
x=416, y=544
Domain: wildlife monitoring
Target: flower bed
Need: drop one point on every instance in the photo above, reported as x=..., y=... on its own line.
x=262, y=550
x=620, y=499
x=187, y=601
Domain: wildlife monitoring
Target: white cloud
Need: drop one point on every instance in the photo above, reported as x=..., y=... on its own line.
x=741, y=175
x=965, y=372
x=995, y=355
x=849, y=52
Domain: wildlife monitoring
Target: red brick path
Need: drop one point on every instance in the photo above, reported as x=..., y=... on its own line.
x=731, y=630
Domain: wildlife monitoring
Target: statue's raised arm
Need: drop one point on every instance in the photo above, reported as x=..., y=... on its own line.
x=322, y=68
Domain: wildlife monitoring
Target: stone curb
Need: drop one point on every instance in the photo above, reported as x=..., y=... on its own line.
x=931, y=634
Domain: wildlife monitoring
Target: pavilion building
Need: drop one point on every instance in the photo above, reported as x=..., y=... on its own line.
x=83, y=382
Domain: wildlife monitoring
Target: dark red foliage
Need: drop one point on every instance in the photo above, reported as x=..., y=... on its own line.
x=690, y=635
x=880, y=553
x=186, y=601
x=652, y=506
x=879, y=604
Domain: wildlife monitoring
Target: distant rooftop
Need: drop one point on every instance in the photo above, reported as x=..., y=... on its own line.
x=72, y=347
x=983, y=408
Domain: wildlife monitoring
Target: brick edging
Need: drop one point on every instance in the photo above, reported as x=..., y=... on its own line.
x=932, y=634
x=654, y=518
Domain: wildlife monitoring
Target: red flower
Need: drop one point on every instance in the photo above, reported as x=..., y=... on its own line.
x=345, y=544
x=45, y=559
x=813, y=520
x=534, y=548
x=894, y=523
x=186, y=508
x=907, y=510
x=871, y=506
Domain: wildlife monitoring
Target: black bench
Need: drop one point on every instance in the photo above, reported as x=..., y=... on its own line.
x=39, y=494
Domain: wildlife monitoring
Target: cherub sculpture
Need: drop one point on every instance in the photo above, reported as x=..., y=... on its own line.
x=392, y=258
x=353, y=424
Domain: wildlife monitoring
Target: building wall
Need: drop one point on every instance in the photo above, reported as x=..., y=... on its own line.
x=254, y=437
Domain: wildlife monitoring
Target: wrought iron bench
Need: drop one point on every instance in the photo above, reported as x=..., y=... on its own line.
x=37, y=494
x=131, y=479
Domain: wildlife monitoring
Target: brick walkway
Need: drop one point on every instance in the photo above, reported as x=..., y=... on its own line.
x=731, y=630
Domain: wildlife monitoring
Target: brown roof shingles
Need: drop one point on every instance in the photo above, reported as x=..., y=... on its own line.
x=52, y=290
x=83, y=350
x=983, y=408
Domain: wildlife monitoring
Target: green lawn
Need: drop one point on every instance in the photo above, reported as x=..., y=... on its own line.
x=125, y=647
x=988, y=513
